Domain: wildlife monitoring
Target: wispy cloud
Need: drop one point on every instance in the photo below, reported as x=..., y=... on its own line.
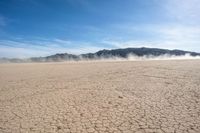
x=181, y=30
x=183, y=10
x=24, y=49
x=171, y=36
x=164, y=36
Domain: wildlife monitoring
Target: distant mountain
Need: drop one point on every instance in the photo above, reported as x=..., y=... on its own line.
x=121, y=53
x=56, y=57
x=124, y=53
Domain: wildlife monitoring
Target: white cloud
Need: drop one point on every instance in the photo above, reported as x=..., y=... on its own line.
x=25, y=49
x=180, y=31
x=169, y=36
x=183, y=10
x=181, y=36
x=62, y=41
x=15, y=52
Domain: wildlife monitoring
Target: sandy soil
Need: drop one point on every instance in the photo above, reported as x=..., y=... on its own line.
x=94, y=97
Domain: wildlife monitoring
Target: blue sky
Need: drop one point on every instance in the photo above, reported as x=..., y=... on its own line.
x=44, y=27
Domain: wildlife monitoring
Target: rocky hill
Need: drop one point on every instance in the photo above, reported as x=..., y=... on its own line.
x=121, y=53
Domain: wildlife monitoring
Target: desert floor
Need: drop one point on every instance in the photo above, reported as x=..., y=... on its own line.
x=94, y=97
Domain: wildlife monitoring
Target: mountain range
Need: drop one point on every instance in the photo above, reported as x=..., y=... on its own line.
x=105, y=54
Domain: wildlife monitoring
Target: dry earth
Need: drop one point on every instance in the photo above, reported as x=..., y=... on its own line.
x=95, y=97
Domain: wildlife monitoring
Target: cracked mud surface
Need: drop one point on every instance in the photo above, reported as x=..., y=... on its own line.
x=97, y=97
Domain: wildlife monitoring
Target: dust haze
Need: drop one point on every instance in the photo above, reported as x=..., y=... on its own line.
x=132, y=57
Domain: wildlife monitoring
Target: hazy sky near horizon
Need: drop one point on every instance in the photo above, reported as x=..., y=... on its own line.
x=44, y=27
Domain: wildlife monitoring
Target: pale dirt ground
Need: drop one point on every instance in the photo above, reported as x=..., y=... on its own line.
x=94, y=97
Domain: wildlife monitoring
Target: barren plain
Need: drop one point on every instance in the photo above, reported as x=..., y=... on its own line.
x=98, y=97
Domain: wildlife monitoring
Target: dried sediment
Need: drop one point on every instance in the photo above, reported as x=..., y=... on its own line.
x=95, y=97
